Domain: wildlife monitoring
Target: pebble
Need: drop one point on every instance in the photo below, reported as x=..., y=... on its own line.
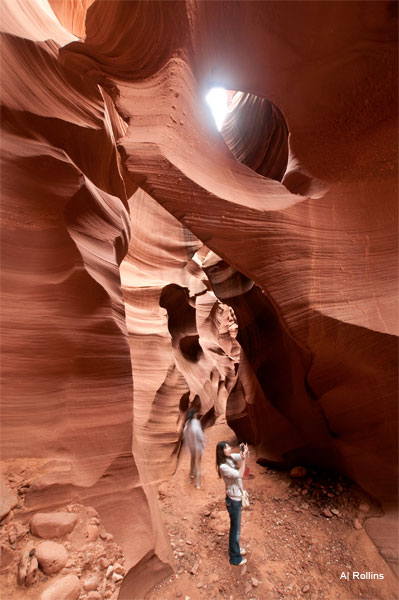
x=19, y=530
x=6, y=557
x=94, y=596
x=327, y=512
x=109, y=572
x=364, y=507
x=304, y=492
x=32, y=573
x=194, y=568
x=248, y=587
x=335, y=512
x=357, y=524
x=12, y=536
x=120, y=569
x=254, y=582
x=92, y=532
x=9, y=517
x=298, y=472
x=23, y=565
x=306, y=588
x=8, y=499
x=90, y=584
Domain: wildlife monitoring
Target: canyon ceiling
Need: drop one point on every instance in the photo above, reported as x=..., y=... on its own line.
x=148, y=259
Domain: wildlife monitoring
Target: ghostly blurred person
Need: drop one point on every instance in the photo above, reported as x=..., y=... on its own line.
x=194, y=440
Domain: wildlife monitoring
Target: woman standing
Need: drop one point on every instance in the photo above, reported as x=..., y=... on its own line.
x=232, y=467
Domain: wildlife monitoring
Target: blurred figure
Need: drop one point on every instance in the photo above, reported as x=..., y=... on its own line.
x=194, y=439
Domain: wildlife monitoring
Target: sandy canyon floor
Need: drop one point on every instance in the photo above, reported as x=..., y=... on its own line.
x=294, y=550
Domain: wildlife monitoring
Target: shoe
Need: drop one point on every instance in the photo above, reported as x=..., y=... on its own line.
x=243, y=551
x=243, y=562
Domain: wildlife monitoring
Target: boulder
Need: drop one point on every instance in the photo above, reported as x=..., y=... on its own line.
x=52, y=557
x=66, y=588
x=50, y=525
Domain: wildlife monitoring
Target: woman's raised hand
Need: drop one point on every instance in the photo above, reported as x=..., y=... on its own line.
x=244, y=451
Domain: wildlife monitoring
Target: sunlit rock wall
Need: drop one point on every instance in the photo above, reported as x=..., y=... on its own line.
x=182, y=338
x=105, y=135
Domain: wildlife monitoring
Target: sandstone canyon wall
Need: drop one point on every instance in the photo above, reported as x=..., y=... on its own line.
x=145, y=255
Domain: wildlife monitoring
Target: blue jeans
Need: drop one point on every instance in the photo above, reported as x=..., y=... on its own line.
x=234, y=509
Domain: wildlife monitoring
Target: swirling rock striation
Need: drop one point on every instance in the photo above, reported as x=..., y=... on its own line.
x=257, y=135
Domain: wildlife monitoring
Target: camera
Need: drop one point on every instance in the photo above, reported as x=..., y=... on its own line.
x=242, y=447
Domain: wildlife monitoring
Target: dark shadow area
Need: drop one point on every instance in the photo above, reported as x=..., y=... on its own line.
x=191, y=348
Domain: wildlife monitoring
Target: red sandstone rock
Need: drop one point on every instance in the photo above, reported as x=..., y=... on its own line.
x=94, y=596
x=32, y=573
x=8, y=499
x=52, y=557
x=66, y=588
x=298, y=472
x=7, y=556
x=90, y=584
x=49, y=525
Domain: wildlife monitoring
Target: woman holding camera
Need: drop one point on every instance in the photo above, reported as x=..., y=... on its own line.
x=232, y=468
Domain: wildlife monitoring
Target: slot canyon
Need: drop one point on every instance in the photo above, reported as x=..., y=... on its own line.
x=152, y=263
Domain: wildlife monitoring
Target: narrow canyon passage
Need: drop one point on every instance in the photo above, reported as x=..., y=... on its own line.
x=294, y=550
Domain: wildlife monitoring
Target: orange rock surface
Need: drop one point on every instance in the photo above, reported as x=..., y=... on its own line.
x=143, y=262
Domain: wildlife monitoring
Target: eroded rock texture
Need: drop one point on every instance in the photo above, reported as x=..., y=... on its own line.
x=117, y=186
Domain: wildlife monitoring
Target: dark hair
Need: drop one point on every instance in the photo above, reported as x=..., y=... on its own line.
x=191, y=414
x=220, y=455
